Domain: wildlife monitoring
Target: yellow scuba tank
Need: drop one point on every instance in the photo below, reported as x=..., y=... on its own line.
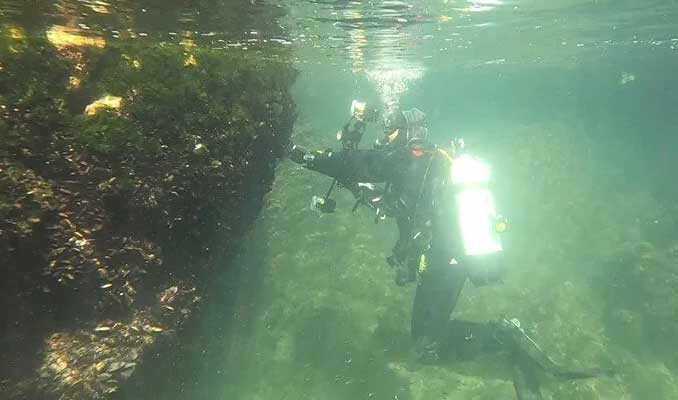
x=469, y=225
x=477, y=218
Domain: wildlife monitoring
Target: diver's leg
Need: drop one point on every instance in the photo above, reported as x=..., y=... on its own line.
x=436, y=296
x=524, y=377
x=405, y=263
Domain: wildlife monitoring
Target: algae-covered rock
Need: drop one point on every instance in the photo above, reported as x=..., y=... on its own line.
x=643, y=312
x=124, y=173
x=93, y=361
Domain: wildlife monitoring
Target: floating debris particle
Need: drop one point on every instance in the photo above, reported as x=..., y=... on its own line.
x=103, y=328
x=190, y=61
x=74, y=82
x=62, y=37
x=200, y=149
x=169, y=294
x=106, y=102
x=626, y=77
x=100, y=366
x=17, y=33
x=152, y=328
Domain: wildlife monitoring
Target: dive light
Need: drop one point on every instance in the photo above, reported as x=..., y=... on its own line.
x=479, y=223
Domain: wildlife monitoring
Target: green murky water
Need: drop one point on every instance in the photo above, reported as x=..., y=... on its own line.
x=573, y=102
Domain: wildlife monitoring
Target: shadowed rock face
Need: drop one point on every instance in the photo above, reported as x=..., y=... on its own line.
x=125, y=172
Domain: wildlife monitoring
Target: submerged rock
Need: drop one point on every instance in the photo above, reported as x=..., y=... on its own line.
x=110, y=221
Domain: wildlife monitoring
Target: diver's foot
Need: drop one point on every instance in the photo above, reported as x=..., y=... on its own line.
x=426, y=350
x=510, y=334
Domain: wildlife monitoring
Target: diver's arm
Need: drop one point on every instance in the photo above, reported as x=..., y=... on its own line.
x=348, y=167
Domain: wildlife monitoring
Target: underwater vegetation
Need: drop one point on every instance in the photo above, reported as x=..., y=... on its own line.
x=642, y=277
x=126, y=171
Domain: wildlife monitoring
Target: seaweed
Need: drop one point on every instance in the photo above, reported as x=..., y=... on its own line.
x=126, y=170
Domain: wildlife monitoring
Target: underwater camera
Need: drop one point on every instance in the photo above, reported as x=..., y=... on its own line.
x=352, y=132
x=363, y=112
x=350, y=136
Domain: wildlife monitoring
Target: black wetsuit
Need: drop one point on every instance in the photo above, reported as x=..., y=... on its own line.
x=415, y=180
x=416, y=197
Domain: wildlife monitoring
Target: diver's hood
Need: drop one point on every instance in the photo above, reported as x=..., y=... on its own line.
x=404, y=127
x=415, y=124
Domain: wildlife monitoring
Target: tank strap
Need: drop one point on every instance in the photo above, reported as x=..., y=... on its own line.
x=446, y=154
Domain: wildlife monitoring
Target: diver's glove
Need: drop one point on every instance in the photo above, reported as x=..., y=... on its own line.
x=297, y=154
x=510, y=334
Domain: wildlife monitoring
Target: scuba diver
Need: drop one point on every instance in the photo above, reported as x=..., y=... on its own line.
x=449, y=232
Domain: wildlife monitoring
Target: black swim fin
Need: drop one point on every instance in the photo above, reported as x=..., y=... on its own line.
x=511, y=334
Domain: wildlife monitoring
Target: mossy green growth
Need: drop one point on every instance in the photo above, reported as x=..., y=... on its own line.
x=24, y=199
x=106, y=133
x=32, y=85
x=167, y=102
x=168, y=169
x=194, y=130
x=185, y=120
